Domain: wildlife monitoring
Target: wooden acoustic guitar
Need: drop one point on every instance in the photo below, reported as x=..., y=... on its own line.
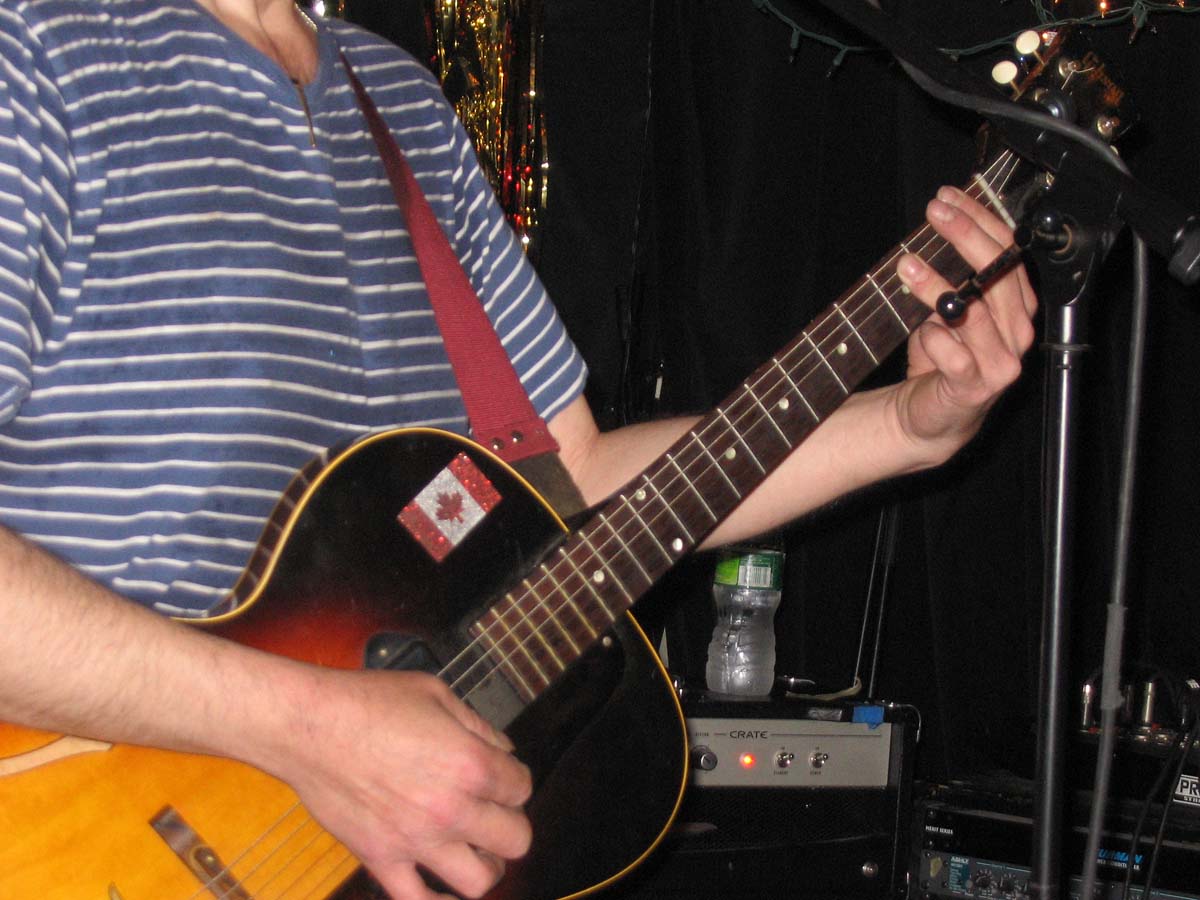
x=417, y=549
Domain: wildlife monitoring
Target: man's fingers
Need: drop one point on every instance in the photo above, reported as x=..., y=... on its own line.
x=404, y=882
x=998, y=231
x=1005, y=310
x=978, y=335
x=503, y=778
x=987, y=220
x=974, y=245
x=464, y=869
x=476, y=724
x=501, y=830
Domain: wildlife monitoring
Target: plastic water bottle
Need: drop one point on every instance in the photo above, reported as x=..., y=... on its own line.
x=746, y=590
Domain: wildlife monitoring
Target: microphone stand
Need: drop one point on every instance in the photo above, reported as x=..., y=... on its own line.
x=1073, y=228
x=1066, y=285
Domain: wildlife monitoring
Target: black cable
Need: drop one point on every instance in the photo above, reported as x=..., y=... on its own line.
x=1157, y=789
x=876, y=556
x=630, y=307
x=1110, y=695
x=1005, y=110
x=889, y=559
x=1189, y=742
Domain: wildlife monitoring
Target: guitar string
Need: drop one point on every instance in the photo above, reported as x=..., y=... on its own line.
x=756, y=389
x=331, y=872
x=240, y=884
x=211, y=885
x=295, y=854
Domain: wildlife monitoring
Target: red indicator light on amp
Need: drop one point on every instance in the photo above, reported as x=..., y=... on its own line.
x=747, y=760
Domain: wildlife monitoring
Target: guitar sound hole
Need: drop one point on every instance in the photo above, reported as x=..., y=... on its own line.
x=392, y=650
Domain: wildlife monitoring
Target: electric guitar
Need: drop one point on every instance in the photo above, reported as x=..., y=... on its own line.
x=417, y=549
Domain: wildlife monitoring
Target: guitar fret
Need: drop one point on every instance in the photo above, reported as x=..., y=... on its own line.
x=651, y=489
x=599, y=574
x=796, y=388
x=832, y=370
x=850, y=324
x=521, y=643
x=569, y=596
x=766, y=414
x=624, y=546
x=505, y=661
x=646, y=528
x=741, y=440
x=552, y=615
x=536, y=631
x=717, y=467
x=887, y=301
x=601, y=605
x=671, y=459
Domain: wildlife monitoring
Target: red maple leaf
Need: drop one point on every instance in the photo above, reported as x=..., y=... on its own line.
x=450, y=507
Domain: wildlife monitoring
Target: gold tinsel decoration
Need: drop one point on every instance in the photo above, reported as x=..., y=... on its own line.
x=487, y=54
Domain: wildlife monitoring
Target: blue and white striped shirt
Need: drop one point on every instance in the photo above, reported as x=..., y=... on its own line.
x=195, y=301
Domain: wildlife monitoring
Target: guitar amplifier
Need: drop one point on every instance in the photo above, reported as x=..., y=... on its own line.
x=787, y=799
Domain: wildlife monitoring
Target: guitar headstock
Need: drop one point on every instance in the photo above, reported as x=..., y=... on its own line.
x=1056, y=72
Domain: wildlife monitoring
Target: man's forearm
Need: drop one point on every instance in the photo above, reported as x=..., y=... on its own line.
x=77, y=659
x=391, y=763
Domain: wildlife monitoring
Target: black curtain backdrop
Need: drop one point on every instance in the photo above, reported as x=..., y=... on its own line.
x=710, y=193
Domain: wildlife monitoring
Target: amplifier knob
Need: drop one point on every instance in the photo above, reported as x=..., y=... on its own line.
x=703, y=758
x=982, y=881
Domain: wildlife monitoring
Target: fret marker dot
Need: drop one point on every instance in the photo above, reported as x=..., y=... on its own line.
x=677, y=545
x=598, y=576
x=607, y=642
x=842, y=349
x=730, y=453
x=784, y=403
x=905, y=289
x=639, y=494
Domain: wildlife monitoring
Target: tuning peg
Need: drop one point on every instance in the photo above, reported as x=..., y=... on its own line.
x=1107, y=126
x=1027, y=44
x=1005, y=73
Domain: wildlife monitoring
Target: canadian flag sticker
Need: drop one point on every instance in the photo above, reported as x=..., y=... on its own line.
x=449, y=507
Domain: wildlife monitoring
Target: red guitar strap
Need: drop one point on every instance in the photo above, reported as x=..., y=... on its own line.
x=499, y=411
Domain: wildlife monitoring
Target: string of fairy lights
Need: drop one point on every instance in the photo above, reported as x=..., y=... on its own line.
x=1050, y=14
x=487, y=54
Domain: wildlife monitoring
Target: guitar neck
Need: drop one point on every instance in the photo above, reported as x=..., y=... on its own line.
x=598, y=573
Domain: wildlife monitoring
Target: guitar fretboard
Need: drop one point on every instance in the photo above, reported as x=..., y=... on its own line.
x=569, y=601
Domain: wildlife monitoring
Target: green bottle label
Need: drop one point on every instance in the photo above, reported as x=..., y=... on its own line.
x=755, y=569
